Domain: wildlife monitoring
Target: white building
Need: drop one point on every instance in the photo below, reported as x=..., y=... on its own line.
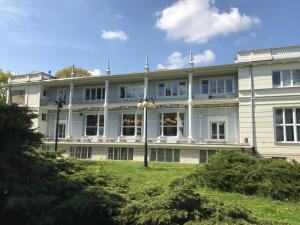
x=251, y=105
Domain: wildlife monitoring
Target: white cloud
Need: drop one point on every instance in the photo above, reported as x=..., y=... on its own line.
x=114, y=35
x=95, y=72
x=176, y=60
x=199, y=20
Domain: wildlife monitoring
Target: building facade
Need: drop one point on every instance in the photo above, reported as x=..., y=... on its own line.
x=251, y=105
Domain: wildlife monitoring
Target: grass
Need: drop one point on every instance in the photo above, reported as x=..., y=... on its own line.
x=161, y=174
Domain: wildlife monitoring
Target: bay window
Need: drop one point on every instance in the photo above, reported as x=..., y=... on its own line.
x=131, y=124
x=117, y=153
x=287, y=125
x=172, y=89
x=165, y=155
x=172, y=124
x=93, y=94
x=217, y=87
x=286, y=78
x=94, y=125
x=132, y=92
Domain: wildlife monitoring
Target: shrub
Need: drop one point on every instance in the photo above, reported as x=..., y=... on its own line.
x=238, y=172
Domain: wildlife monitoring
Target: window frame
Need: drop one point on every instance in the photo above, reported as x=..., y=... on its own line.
x=178, y=127
x=217, y=86
x=102, y=88
x=291, y=72
x=73, y=154
x=111, y=156
x=98, y=114
x=136, y=127
x=218, y=120
x=171, y=83
x=61, y=135
x=165, y=155
x=130, y=86
x=207, y=154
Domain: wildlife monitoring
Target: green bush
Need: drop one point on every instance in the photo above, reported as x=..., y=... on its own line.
x=238, y=172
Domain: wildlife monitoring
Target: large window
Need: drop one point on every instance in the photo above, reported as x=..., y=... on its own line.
x=91, y=127
x=131, y=124
x=287, y=125
x=117, y=153
x=93, y=94
x=132, y=92
x=165, y=155
x=217, y=130
x=286, y=78
x=61, y=130
x=217, y=87
x=18, y=97
x=172, y=124
x=80, y=152
x=204, y=155
x=172, y=89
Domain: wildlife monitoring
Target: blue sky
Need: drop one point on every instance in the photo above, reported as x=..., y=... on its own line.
x=39, y=35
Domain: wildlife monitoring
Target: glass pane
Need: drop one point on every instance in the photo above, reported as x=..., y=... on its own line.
x=204, y=86
x=128, y=119
x=278, y=116
x=298, y=133
x=221, y=130
x=130, y=153
x=169, y=155
x=168, y=90
x=288, y=116
x=298, y=115
x=289, y=133
x=84, y=153
x=110, y=153
x=87, y=94
x=116, y=153
x=286, y=78
x=296, y=77
x=279, y=133
x=122, y=92
x=161, y=89
x=99, y=93
x=229, y=86
x=91, y=120
x=170, y=119
x=276, y=78
x=160, y=155
x=71, y=152
x=90, y=152
x=128, y=131
x=176, y=155
x=182, y=88
x=153, y=154
x=138, y=131
x=213, y=86
x=101, y=120
x=93, y=94
x=77, y=152
x=221, y=86
x=123, y=153
x=170, y=131
x=203, y=156
x=139, y=119
x=91, y=131
x=174, y=89
x=214, y=131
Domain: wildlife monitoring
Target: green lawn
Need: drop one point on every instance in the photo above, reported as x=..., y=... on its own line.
x=161, y=174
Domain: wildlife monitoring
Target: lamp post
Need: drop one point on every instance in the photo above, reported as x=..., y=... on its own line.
x=145, y=104
x=60, y=103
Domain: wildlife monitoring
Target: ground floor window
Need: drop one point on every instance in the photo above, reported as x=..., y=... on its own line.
x=205, y=155
x=94, y=125
x=120, y=153
x=165, y=155
x=80, y=152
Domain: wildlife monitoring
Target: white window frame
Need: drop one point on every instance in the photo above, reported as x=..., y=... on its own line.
x=217, y=80
x=120, y=153
x=284, y=125
x=161, y=124
x=130, y=87
x=96, y=89
x=218, y=120
x=164, y=150
x=291, y=71
x=171, y=83
x=98, y=114
x=136, y=114
x=65, y=129
x=73, y=149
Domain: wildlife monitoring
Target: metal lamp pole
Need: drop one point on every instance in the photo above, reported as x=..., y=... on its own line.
x=60, y=104
x=145, y=104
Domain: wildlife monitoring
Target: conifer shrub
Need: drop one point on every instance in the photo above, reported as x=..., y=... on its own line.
x=242, y=173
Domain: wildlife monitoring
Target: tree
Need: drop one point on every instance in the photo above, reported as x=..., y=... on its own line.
x=3, y=88
x=67, y=72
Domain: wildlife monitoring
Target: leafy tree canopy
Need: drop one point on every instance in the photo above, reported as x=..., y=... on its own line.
x=3, y=81
x=67, y=72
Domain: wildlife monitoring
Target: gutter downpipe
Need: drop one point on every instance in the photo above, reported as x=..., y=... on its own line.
x=252, y=110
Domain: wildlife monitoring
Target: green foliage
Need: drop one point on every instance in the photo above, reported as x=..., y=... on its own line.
x=3, y=88
x=66, y=72
x=180, y=204
x=242, y=173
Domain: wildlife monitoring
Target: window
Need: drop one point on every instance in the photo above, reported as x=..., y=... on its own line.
x=80, y=152
x=131, y=124
x=61, y=130
x=172, y=89
x=91, y=125
x=117, y=153
x=132, y=92
x=62, y=95
x=286, y=78
x=172, y=124
x=205, y=155
x=165, y=155
x=101, y=124
x=44, y=117
x=217, y=130
x=93, y=94
x=18, y=97
x=217, y=87
x=287, y=125
x=44, y=92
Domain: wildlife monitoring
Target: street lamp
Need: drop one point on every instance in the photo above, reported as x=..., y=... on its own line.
x=145, y=104
x=60, y=103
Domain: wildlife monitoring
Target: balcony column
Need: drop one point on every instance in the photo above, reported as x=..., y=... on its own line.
x=69, y=134
x=105, y=114
x=8, y=96
x=145, y=110
x=190, y=107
